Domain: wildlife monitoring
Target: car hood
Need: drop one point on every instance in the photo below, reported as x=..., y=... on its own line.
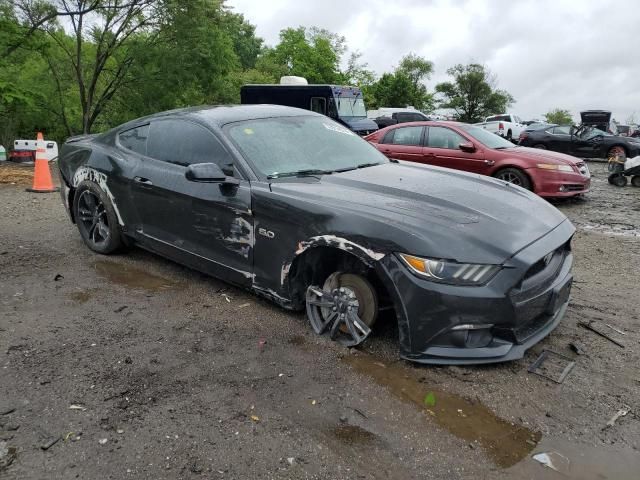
x=539, y=155
x=358, y=124
x=428, y=211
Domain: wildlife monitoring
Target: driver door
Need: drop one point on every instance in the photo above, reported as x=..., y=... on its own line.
x=442, y=144
x=208, y=226
x=586, y=144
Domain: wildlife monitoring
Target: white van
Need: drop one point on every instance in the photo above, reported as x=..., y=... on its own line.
x=51, y=148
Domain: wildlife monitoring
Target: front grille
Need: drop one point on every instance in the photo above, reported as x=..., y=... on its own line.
x=540, y=275
x=573, y=187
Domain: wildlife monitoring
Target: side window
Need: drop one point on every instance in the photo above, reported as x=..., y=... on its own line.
x=319, y=105
x=440, y=137
x=49, y=145
x=562, y=130
x=184, y=143
x=411, y=136
x=404, y=117
x=388, y=137
x=135, y=139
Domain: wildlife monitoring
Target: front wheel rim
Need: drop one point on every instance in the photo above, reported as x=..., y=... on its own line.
x=92, y=219
x=511, y=178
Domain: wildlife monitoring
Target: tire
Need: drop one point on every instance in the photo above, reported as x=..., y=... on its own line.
x=509, y=135
x=96, y=219
x=346, y=306
x=635, y=180
x=541, y=146
x=618, y=180
x=515, y=176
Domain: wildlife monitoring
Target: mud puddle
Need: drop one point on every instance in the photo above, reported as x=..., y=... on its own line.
x=354, y=435
x=133, y=277
x=576, y=461
x=82, y=296
x=505, y=443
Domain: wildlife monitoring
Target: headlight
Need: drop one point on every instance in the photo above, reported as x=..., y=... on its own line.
x=453, y=273
x=553, y=166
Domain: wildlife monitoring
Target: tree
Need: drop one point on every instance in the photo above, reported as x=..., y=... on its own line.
x=472, y=93
x=559, y=117
x=95, y=53
x=313, y=54
x=405, y=85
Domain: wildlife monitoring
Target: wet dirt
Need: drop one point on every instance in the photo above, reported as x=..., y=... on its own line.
x=505, y=442
x=82, y=296
x=354, y=435
x=133, y=277
x=181, y=370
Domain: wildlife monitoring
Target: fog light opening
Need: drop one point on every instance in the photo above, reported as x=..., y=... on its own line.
x=562, y=188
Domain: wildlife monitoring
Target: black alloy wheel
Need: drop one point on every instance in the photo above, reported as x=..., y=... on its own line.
x=96, y=219
x=346, y=306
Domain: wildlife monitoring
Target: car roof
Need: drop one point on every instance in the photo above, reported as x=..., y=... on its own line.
x=218, y=115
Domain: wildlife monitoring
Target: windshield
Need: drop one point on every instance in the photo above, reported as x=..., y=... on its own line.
x=283, y=146
x=488, y=139
x=351, y=107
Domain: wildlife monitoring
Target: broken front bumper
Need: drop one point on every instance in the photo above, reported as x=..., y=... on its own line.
x=448, y=324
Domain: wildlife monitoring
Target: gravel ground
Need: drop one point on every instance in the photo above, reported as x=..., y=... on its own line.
x=131, y=366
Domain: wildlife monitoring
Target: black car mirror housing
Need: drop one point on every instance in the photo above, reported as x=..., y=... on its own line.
x=208, y=173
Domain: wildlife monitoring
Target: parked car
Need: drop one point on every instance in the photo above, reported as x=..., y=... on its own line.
x=600, y=119
x=582, y=142
x=506, y=125
x=299, y=209
x=399, y=116
x=22, y=156
x=467, y=147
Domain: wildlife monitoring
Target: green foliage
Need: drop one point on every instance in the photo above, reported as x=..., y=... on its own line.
x=404, y=86
x=558, y=116
x=472, y=93
x=430, y=399
x=313, y=54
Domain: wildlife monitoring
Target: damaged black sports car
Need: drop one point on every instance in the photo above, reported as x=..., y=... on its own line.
x=297, y=208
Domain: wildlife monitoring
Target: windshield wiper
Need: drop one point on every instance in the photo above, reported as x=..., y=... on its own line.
x=301, y=173
x=365, y=165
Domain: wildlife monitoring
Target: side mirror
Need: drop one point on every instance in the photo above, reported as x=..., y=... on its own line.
x=208, y=173
x=467, y=147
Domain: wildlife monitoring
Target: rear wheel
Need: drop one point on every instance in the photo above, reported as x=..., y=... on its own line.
x=96, y=219
x=541, y=146
x=509, y=135
x=515, y=176
x=346, y=306
x=635, y=180
x=618, y=180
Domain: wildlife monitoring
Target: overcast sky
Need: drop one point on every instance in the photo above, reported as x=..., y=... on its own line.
x=574, y=55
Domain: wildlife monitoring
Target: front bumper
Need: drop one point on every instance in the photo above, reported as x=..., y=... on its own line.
x=513, y=312
x=559, y=184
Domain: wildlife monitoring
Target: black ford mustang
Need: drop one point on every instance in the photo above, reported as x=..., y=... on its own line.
x=583, y=142
x=297, y=208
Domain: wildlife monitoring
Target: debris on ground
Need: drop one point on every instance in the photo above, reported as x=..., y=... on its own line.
x=50, y=443
x=57, y=277
x=77, y=407
x=430, y=399
x=7, y=455
x=594, y=328
x=103, y=441
x=553, y=460
x=617, y=330
x=6, y=410
x=577, y=348
x=552, y=366
x=620, y=413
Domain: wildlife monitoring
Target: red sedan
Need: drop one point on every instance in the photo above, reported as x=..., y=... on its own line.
x=465, y=147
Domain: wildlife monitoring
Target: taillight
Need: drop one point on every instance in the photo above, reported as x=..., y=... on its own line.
x=500, y=126
x=523, y=136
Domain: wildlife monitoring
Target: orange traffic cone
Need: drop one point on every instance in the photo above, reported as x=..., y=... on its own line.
x=42, y=182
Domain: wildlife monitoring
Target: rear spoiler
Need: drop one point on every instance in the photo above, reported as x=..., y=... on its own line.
x=80, y=138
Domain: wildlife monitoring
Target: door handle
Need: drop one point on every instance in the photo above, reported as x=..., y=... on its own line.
x=144, y=181
x=489, y=162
